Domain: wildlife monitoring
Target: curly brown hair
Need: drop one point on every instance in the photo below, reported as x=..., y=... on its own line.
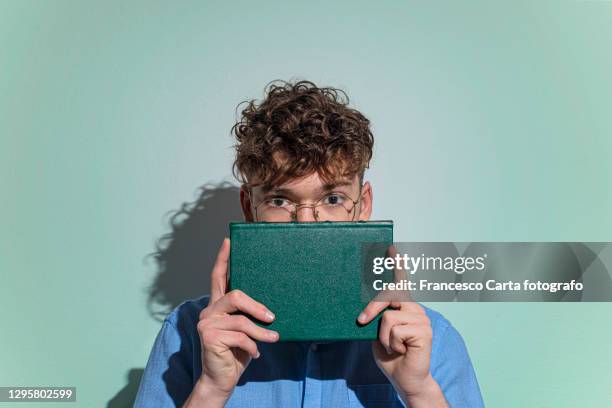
x=298, y=129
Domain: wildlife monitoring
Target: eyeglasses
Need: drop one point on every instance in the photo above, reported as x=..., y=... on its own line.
x=331, y=207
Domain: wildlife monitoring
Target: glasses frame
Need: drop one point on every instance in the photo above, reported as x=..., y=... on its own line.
x=298, y=206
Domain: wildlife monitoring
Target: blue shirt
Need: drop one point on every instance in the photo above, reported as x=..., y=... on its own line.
x=340, y=374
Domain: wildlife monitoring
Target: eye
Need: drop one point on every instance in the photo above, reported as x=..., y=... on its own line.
x=278, y=202
x=334, y=199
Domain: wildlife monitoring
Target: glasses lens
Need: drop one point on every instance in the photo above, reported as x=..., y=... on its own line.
x=335, y=207
x=275, y=210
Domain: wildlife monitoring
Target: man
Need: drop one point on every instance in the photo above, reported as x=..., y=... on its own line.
x=301, y=155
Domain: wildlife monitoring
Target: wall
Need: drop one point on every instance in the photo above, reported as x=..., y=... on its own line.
x=491, y=122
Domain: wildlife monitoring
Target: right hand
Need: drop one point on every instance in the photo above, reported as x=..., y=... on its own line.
x=227, y=340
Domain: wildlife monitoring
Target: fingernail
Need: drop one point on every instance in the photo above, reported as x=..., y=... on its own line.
x=389, y=352
x=269, y=315
x=258, y=354
x=273, y=335
x=362, y=317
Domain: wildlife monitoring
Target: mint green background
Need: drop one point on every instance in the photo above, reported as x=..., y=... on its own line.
x=492, y=123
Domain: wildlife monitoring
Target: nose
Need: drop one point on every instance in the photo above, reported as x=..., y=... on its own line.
x=305, y=216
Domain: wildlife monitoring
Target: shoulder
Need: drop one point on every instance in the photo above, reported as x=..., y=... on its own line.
x=445, y=335
x=448, y=347
x=439, y=324
x=174, y=359
x=187, y=313
x=451, y=365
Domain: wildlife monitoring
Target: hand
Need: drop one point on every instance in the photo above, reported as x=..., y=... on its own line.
x=403, y=351
x=228, y=340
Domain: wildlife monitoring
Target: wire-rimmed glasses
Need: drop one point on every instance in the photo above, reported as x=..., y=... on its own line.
x=335, y=206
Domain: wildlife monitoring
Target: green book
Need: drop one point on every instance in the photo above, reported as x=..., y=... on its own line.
x=309, y=275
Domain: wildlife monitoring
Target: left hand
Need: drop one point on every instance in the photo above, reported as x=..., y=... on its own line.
x=403, y=348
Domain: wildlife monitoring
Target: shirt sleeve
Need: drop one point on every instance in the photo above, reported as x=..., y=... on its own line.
x=167, y=380
x=453, y=371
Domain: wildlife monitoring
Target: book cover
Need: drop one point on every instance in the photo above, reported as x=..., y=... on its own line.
x=308, y=274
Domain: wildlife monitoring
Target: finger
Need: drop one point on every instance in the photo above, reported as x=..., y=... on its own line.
x=218, y=277
x=412, y=307
x=392, y=318
x=391, y=251
x=245, y=325
x=238, y=340
x=399, y=275
x=389, y=319
x=380, y=301
x=238, y=301
x=371, y=311
x=403, y=336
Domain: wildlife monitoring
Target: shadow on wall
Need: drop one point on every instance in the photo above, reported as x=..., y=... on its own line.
x=126, y=396
x=184, y=258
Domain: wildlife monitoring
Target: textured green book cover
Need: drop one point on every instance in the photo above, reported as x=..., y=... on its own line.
x=308, y=274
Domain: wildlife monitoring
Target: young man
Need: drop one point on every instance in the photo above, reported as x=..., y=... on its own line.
x=301, y=155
